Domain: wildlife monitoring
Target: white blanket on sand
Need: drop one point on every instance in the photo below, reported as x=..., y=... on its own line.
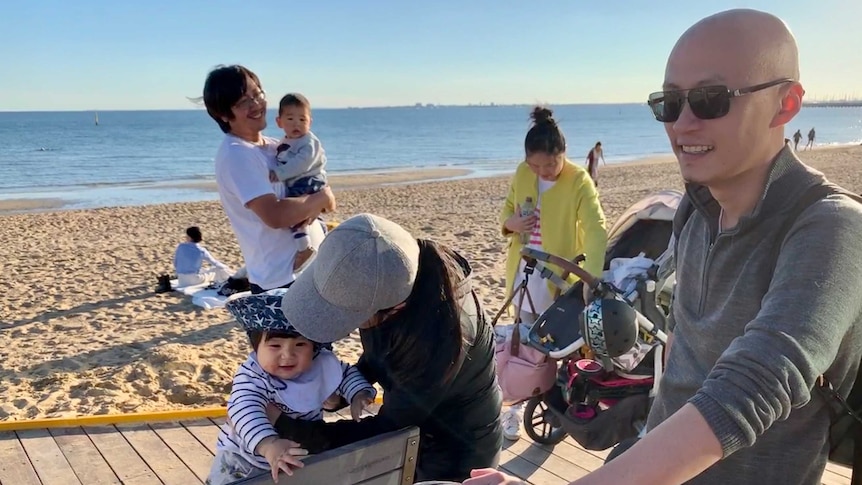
x=207, y=298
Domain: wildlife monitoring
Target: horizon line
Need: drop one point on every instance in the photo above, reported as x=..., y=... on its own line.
x=416, y=106
x=813, y=101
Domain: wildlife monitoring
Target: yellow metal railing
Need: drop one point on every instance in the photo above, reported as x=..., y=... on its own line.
x=106, y=419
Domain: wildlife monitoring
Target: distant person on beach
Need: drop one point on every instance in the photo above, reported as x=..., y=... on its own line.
x=189, y=258
x=766, y=320
x=593, y=157
x=259, y=211
x=289, y=370
x=810, y=144
x=301, y=162
x=796, y=137
x=425, y=341
x=567, y=220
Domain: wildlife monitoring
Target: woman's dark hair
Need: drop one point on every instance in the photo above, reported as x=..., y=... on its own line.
x=431, y=317
x=224, y=87
x=545, y=136
x=194, y=233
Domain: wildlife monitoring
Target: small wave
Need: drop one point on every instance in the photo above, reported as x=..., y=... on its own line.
x=71, y=187
x=840, y=144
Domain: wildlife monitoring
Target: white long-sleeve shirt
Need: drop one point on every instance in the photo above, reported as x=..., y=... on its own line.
x=300, y=398
x=189, y=258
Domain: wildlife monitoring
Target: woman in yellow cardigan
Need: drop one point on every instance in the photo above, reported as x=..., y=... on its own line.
x=567, y=221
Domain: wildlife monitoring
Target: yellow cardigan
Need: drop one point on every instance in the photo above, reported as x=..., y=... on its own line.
x=573, y=222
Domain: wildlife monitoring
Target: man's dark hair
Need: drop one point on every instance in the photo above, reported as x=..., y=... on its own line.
x=194, y=233
x=224, y=87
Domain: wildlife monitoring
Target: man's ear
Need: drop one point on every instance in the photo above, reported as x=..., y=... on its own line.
x=791, y=103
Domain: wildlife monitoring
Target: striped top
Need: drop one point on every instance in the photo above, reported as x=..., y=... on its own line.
x=536, y=235
x=539, y=294
x=253, y=388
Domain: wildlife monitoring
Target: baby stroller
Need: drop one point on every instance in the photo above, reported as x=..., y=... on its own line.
x=611, y=351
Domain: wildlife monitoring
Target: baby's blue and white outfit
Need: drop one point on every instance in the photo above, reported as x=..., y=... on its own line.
x=300, y=398
x=302, y=167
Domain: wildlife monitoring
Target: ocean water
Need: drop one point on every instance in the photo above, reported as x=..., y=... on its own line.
x=139, y=157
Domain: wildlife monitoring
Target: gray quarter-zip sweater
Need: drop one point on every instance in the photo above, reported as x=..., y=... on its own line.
x=749, y=344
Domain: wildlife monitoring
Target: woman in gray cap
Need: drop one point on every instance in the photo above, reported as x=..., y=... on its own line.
x=425, y=340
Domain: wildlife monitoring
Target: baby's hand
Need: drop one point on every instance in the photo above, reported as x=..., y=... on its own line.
x=272, y=176
x=281, y=455
x=360, y=401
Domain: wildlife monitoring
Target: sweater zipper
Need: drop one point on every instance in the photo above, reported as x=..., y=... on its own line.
x=705, y=278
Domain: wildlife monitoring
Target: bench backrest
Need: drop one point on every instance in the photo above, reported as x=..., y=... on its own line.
x=387, y=459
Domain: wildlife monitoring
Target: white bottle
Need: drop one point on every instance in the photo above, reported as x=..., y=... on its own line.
x=527, y=208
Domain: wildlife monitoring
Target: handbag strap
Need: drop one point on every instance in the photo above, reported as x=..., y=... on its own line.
x=515, y=346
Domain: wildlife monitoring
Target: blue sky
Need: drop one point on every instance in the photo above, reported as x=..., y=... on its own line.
x=100, y=55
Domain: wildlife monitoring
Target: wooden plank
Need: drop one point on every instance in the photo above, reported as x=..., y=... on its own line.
x=156, y=454
x=602, y=455
x=352, y=464
x=205, y=431
x=530, y=472
x=195, y=455
x=47, y=459
x=571, y=453
x=15, y=466
x=831, y=478
x=839, y=469
x=89, y=465
x=120, y=455
x=546, y=459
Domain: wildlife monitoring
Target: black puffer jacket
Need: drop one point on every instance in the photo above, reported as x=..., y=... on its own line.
x=459, y=421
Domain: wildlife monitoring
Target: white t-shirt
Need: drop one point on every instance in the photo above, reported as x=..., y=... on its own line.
x=537, y=286
x=242, y=174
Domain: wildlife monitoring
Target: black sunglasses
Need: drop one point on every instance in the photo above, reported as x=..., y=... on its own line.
x=707, y=103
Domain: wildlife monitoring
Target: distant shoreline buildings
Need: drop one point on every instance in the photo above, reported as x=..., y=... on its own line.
x=834, y=102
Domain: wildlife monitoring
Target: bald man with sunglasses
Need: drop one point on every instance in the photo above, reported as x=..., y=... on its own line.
x=739, y=403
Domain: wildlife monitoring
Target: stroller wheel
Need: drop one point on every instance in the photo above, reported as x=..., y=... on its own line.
x=541, y=425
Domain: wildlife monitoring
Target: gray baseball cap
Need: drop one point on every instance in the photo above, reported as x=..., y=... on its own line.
x=364, y=265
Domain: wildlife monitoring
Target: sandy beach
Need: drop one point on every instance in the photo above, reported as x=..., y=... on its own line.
x=81, y=331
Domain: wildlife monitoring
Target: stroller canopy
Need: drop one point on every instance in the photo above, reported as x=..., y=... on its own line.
x=645, y=227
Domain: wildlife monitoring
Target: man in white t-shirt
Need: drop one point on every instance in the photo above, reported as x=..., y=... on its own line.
x=258, y=212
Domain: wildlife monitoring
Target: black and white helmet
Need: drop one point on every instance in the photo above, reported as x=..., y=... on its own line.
x=609, y=327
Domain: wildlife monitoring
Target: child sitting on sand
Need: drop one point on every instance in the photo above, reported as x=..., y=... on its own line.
x=301, y=162
x=189, y=258
x=288, y=370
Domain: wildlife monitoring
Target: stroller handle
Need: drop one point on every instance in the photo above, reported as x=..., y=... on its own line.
x=565, y=264
x=567, y=350
x=649, y=327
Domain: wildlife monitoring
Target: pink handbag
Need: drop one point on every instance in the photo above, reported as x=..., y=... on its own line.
x=522, y=371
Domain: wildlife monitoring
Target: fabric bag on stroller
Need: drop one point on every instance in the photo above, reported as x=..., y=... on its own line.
x=522, y=371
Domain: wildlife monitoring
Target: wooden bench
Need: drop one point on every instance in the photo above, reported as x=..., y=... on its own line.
x=388, y=459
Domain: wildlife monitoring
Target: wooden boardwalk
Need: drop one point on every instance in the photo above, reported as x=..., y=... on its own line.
x=180, y=453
